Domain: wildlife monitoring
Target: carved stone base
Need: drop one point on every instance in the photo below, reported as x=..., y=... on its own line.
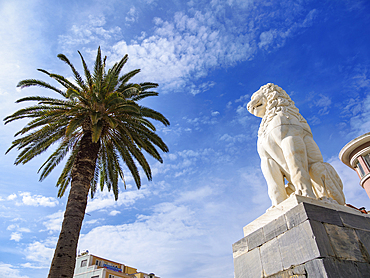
x=303, y=237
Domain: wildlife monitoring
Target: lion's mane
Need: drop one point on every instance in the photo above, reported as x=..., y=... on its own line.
x=278, y=102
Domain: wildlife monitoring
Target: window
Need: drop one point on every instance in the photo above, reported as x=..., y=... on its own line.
x=83, y=263
x=360, y=170
x=367, y=160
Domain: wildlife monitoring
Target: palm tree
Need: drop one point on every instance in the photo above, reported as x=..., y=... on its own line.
x=99, y=126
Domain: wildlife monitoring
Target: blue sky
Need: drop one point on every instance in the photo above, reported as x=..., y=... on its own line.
x=208, y=57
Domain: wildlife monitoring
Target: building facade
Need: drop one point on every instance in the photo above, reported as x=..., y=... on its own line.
x=356, y=155
x=91, y=266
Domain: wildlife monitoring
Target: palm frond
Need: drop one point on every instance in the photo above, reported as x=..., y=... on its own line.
x=150, y=113
x=148, y=85
x=143, y=95
x=56, y=157
x=34, y=82
x=111, y=168
x=64, y=81
x=95, y=179
x=77, y=76
x=103, y=166
x=98, y=69
x=56, y=119
x=130, y=163
x=126, y=77
x=87, y=71
x=40, y=99
x=129, y=91
x=138, y=155
x=37, y=147
x=33, y=112
x=65, y=177
x=96, y=131
x=111, y=80
x=74, y=124
x=104, y=106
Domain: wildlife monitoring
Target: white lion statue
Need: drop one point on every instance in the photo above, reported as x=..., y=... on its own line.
x=288, y=151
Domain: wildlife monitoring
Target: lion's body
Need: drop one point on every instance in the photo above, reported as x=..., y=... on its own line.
x=288, y=151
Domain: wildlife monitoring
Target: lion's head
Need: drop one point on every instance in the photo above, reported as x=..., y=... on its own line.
x=269, y=101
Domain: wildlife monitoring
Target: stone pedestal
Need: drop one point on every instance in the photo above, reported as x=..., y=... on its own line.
x=304, y=237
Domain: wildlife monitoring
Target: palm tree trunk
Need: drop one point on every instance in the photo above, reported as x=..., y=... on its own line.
x=83, y=171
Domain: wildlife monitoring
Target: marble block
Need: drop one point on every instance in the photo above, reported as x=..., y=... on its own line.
x=303, y=237
x=273, y=213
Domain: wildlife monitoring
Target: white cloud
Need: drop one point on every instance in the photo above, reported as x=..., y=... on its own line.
x=266, y=38
x=324, y=103
x=173, y=225
x=9, y=271
x=12, y=197
x=11, y=227
x=352, y=107
x=196, y=195
x=243, y=98
x=202, y=120
x=30, y=265
x=361, y=79
x=37, y=200
x=197, y=89
x=252, y=178
x=184, y=48
x=16, y=236
x=114, y=212
x=360, y=123
x=197, y=223
x=172, y=156
x=91, y=222
x=232, y=139
x=132, y=15
x=105, y=199
x=16, y=62
x=241, y=110
x=16, y=227
x=185, y=162
x=314, y=120
x=91, y=32
x=96, y=21
x=310, y=18
x=244, y=117
x=54, y=221
x=41, y=253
